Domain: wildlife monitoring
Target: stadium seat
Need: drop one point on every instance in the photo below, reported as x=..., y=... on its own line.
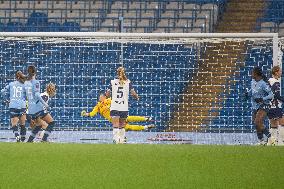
x=23, y=5
x=38, y=18
x=53, y=27
x=79, y=11
x=4, y=5
x=41, y=5
x=281, y=29
x=267, y=27
x=15, y=27
x=2, y=27
x=71, y=26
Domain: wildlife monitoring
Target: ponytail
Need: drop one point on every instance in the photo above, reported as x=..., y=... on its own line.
x=121, y=75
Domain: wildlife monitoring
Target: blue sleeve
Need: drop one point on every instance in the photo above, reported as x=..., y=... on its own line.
x=276, y=90
x=248, y=92
x=5, y=90
x=37, y=93
x=267, y=89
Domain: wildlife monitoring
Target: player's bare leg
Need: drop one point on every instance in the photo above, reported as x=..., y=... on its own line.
x=15, y=129
x=23, y=130
x=36, y=127
x=43, y=126
x=47, y=131
x=259, y=119
x=281, y=131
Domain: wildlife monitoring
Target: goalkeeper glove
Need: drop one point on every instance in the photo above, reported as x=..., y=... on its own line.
x=258, y=100
x=83, y=113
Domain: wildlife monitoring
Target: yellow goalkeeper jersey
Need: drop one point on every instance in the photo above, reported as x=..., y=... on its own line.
x=102, y=108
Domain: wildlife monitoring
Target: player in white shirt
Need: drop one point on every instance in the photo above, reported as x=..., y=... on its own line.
x=120, y=89
x=275, y=113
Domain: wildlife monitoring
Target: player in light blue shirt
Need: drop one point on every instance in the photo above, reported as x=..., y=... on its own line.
x=47, y=121
x=17, y=105
x=261, y=96
x=36, y=104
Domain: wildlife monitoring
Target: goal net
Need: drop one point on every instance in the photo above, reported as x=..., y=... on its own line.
x=190, y=85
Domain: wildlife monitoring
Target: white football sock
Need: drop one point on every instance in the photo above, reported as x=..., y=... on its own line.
x=115, y=133
x=280, y=135
x=122, y=135
x=273, y=132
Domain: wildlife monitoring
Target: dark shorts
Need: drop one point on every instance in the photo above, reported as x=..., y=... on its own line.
x=39, y=114
x=120, y=114
x=264, y=107
x=17, y=112
x=275, y=113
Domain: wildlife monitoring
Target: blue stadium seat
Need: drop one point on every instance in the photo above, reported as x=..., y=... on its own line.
x=15, y=27
x=71, y=27
x=2, y=27
x=38, y=18
x=53, y=27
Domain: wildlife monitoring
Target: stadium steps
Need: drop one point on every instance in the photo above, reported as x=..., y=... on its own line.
x=241, y=16
x=201, y=99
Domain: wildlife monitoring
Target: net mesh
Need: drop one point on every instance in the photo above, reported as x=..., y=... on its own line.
x=192, y=88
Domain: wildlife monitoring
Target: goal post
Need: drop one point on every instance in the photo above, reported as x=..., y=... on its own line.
x=190, y=84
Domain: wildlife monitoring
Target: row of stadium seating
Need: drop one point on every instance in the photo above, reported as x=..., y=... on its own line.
x=147, y=16
x=273, y=19
x=151, y=16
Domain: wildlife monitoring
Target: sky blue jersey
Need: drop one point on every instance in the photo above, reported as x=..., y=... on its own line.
x=35, y=101
x=260, y=89
x=17, y=94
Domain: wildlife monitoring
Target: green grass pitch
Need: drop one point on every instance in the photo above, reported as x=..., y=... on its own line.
x=140, y=166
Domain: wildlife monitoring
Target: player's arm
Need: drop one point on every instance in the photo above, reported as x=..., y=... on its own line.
x=269, y=95
x=276, y=89
x=248, y=92
x=38, y=96
x=108, y=91
x=92, y=113
x=4, y=94
x=133, y=92
x=267, y=89
x=5, y=90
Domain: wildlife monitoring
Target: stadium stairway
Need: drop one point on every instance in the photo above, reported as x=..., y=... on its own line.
x=241, y=16
x=200, y=100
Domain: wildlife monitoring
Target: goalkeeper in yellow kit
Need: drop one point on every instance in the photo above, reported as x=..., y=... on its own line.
x=103, y=108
